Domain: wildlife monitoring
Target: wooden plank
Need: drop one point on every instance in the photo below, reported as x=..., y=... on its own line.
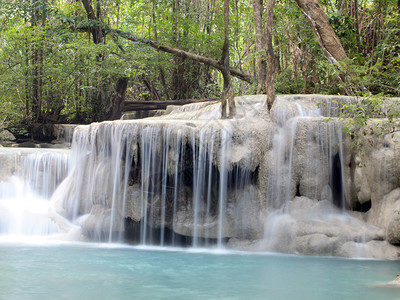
x=156, y=105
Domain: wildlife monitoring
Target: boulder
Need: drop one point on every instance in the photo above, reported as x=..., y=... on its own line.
x=317, y=244
x=100, y=222
x=28, y=145
x=383, y=211
x=372, y=249
x=133, y=209
x=309, y=227
x=393, y=228
x=376, y=164
x=183, y=224
x=63, y=133
x=9, y=163
x=393, y=283
x=128, y=116
x=6, y=136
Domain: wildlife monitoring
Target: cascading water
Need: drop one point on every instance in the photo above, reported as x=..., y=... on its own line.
x=172, y=173
x=25, y=195
x=307, y=190
x=278, y=181
x=177, y=179
x=177, y=169
x=95, y=189
x=44, y=171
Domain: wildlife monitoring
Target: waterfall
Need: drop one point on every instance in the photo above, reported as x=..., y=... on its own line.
x=93, y=194
x=44, y=171
x=178, y=177
x=223, y=183
x=306, y=173
x=277, y=181
x=306, y=156
x=174, y=182
x=25, y=195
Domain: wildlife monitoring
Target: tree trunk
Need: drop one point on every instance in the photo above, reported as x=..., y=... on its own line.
x=259, y=46
x=269, y=81
x=37, y=62
x=357, y=21
x=227, y=98
x=326, y=37
x=115, y=107
x=151, y=88
x=36, y=87
x=95, y=30
x=162, y=76
x=27, y=91
x=179, y=65
x=163, y=82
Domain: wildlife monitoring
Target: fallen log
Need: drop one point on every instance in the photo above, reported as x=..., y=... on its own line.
x=156, y=105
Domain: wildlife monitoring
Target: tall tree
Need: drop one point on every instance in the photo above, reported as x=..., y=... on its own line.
x=227, y=99
x=270, y=76
x=38, y=19
x=113, y=110
x=96, y=17
x=326, y=36
x=259, y=45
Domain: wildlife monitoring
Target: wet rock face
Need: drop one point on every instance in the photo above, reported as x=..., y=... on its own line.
x=310, y=227
x=133, y=209
x=63, y=133
x=374, y=179
x=100, y=222
x=377, y=164
x=9, y=165
x=393, y=215
x=316, y=159
x=189, y=176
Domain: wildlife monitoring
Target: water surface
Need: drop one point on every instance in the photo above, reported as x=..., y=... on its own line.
x=95, y=271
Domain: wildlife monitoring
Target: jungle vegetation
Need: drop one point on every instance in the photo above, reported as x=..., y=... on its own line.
x=75, y=61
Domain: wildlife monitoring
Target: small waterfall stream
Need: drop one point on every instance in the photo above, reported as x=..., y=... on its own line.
x=306, y=171
x=24, y=196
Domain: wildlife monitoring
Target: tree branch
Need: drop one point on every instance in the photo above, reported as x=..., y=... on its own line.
x=181, y=53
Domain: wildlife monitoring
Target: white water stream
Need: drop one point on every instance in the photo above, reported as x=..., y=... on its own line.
x=25, y=203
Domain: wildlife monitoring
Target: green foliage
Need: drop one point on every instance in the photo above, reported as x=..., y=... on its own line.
x=51, y=71
x=66, y=64
x=345, y=28
x=357, y=114
x=369, y=37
